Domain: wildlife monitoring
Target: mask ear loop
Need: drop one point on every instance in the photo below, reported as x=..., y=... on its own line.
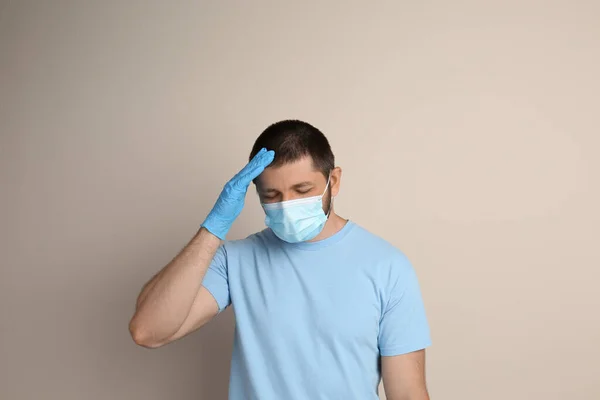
x=330, y=198
x=326, y=186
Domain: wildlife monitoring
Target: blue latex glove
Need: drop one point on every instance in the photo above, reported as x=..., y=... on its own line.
x=230, y=203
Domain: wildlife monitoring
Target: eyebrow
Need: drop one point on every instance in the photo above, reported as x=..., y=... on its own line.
x=296, y=186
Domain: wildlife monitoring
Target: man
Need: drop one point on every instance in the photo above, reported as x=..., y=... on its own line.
x=323, y=308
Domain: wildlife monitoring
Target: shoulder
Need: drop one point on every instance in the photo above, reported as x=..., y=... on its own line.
x=248, y=251
x=381, y=248
x=256, y=241
x=390, y=260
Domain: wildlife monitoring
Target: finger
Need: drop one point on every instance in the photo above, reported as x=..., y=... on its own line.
x=256, y=159
x=256, y=167
x=259, y=166
x=265, y=159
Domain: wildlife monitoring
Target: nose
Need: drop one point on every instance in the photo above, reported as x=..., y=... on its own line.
x=289, y=196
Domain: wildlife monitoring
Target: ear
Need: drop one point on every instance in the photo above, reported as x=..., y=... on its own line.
x=336, y=178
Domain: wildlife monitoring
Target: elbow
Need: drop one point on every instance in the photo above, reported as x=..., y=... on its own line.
x=142, y=336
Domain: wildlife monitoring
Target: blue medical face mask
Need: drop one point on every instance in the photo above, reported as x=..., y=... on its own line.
x=297, y=220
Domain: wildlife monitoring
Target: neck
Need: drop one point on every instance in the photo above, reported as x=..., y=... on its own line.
x=334, y=224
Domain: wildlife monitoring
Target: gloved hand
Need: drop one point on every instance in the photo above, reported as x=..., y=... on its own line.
x=230, y=203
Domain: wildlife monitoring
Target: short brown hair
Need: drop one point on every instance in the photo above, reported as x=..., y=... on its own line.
x=292, y=140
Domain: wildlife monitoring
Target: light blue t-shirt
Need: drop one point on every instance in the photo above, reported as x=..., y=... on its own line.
x=313, y=319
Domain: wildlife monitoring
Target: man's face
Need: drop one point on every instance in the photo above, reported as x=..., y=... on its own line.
x=294, y=181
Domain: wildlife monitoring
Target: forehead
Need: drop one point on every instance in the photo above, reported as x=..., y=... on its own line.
x=290, y=174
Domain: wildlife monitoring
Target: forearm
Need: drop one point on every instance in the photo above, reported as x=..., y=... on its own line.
x=147, y=287
x=167, y=298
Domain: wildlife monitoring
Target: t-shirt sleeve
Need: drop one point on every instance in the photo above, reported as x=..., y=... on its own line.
x=216, y=280
x=403, y=327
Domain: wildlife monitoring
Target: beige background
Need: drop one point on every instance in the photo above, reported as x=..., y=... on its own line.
x=468, y=132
